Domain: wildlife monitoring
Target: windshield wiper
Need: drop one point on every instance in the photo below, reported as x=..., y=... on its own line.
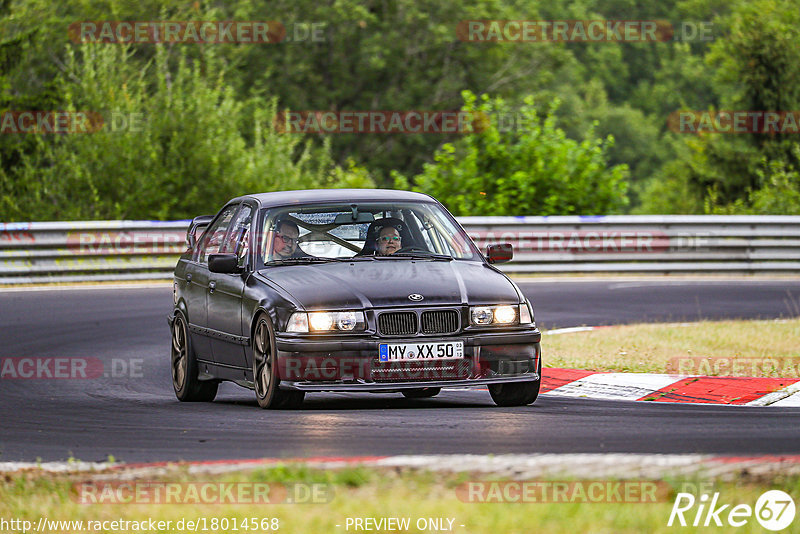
x=304, y=259
x=316, y=259
x=419, y=256
x=366, y=257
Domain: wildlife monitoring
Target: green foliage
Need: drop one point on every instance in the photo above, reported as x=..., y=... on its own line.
x=205, y=112
x=638, y=141
x=398, y=55
x=668, y=193
x=779, y=194
x=757, y=60
x=532, y=169
x=172, y=149
x=755, y=67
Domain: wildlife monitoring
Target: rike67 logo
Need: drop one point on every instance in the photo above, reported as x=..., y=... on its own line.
x=774, y=510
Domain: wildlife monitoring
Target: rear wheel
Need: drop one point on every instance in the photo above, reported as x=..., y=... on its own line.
x=265, y=370
x=421, y=393
x=516, y=393
x=184, y=367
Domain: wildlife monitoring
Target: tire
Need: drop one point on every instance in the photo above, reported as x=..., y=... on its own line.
x=517, y=393
x=421, y=393
x=265, y=371
x=184, y=367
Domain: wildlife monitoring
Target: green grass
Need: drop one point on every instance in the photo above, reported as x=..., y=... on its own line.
x=649, y=348
x=366, y=492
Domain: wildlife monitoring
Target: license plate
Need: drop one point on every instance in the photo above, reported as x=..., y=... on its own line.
x=391, y=352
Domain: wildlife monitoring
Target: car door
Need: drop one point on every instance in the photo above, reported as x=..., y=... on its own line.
x=198, y=285
x=225, y=295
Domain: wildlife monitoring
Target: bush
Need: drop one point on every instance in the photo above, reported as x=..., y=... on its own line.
x=176, y=143
x=534, y=170
x=778, y=195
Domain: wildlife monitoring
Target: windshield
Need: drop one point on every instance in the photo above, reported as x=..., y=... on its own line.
x=373, y=230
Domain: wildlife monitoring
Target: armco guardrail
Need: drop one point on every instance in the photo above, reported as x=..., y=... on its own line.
x=645, y=243
x=131, y=250
x=91, y=250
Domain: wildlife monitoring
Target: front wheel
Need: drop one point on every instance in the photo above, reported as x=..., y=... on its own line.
x=184, y=367
x=516, y=393
x=265, y=370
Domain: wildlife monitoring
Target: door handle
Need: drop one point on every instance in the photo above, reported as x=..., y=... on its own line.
x=212, y=285
x=189, y=277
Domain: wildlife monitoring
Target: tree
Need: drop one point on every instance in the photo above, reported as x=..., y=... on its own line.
x=756, y=68
x=398, y=55
x=170, y=145
x=533, y=169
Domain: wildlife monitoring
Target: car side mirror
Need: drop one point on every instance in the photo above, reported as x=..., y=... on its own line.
x=499, y=253
x=223, y=263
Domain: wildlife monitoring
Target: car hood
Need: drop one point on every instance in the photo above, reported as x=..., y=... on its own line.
x=382, y=283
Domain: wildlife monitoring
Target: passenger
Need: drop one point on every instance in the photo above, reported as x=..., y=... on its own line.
x=379, y=228
x=284, y=244
x=389, y=241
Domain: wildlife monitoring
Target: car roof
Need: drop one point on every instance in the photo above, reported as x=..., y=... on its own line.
x=283, y=198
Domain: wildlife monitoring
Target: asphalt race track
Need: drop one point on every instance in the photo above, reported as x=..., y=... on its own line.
x=135, y=416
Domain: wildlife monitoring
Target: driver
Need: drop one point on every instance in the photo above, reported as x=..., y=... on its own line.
x=284, y=244
x=389, y=241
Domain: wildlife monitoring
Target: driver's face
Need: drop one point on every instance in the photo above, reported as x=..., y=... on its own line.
x=388, y=241
x=285, y=242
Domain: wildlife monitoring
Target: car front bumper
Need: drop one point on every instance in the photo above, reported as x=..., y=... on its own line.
x=353, y=364
x=386, y=387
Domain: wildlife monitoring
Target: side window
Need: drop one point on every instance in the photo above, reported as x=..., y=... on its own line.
x=215, y=235
x=238, y=240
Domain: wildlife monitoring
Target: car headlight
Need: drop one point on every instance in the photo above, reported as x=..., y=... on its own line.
x=343, y=321
x=494, y=315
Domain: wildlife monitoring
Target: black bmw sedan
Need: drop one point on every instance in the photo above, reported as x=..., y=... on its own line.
x=347, y=290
